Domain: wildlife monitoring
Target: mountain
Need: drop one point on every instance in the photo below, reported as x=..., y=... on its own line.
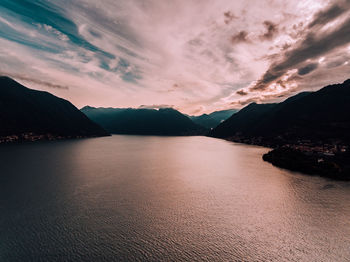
x=222, y=115
x=310, y=132
x=314, y=116
x=242, y=122
x=205, y=121
x=213, y=119
x=163, y=121
x=27, y=114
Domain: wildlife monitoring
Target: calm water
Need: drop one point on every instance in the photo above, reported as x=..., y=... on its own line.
x=164, y=199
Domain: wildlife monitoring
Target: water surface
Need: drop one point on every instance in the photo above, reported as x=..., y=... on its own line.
x=164, y=199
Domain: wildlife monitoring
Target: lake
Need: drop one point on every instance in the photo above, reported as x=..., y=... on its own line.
x=147, y=198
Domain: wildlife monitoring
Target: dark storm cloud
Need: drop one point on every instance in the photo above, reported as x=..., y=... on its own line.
x=335, y=10
x=307, y=69
x=271, y=30
x=311, y=47
x=239, y=37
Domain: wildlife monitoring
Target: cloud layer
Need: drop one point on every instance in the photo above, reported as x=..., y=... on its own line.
x=198, y=56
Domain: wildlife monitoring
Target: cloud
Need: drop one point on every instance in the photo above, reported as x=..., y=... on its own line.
x=241, y=93
x=271, y=30
x=33, y=80
x=50, y=29
x=229, y=17
x=307, y=69
x=182, y=53
x=245, y=102
x=155, y=106
x=240, y=37
x=313, y=45
x=330, y=13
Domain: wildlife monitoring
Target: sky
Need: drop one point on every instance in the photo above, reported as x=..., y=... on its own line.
x=196, y=56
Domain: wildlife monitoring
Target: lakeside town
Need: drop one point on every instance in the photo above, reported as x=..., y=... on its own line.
x=330, y=159
x=32, y=137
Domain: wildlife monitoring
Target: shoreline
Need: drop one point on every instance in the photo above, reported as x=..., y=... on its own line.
x=31, y=137
x=332, y=166
x=330, y=161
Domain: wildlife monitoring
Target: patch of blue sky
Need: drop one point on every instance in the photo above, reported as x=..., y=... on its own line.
x=44, y=13
x=128, y=72
x=56, y=33
x=131, y=77
x=11, y=34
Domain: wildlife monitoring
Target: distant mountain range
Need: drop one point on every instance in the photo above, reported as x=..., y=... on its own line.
x=27, y=114
x=163, y=121
x=315, y=116
x=213, y=119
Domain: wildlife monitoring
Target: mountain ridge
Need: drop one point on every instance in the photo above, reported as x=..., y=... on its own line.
x=309, y=132
x=142, y=121
x=304, y=115
x=213, y=119
x=28, y=114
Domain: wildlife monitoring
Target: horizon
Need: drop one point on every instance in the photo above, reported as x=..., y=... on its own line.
x=157, y=107
x=195, y=58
